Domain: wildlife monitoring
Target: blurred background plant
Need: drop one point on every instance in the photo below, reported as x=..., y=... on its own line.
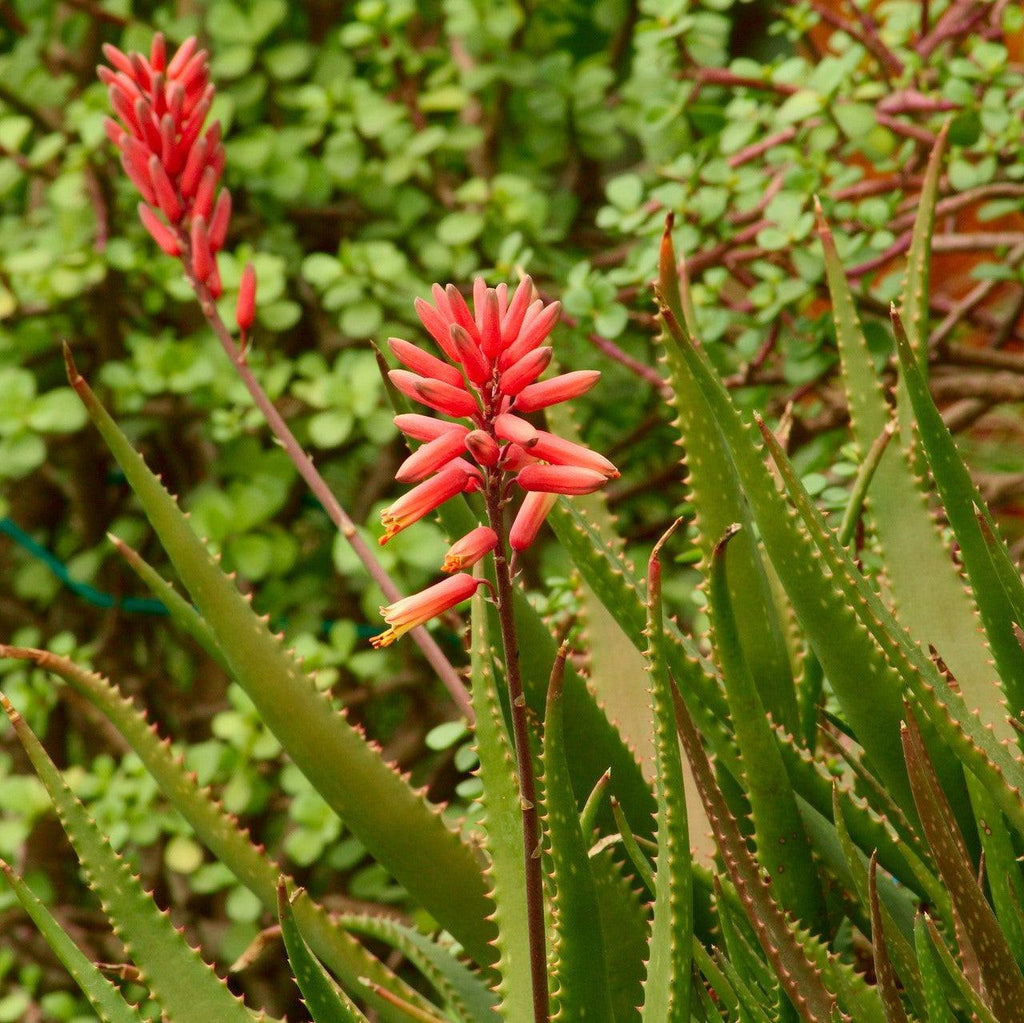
x=374, y=148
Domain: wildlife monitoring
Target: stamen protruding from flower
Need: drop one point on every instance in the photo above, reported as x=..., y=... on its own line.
x=466, y=552
x=423, y=499
x=418, y=609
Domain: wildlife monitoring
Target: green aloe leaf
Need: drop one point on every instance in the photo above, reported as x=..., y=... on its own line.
x=923, y=582
x=577, y=961
x=187, y=988
x=782, y=846
x=465, y=996
x=667, y=988
x=960, y=499
x=106, y=1000
x=222, y=834
x=801, y=979
x=503, y=827
x=437, y=868
x=978, y=1006
x=999, y=971
x=718, y=497
x=326, y=1002
x=884, y=973
x=932, y=975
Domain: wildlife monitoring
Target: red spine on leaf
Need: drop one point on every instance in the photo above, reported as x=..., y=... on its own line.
x=202, y=257
x=557, y=389
x=160, y=232
x=245, y=308
x=220, y=220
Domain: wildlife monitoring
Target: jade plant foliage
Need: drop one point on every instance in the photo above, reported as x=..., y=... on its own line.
x=376, y=149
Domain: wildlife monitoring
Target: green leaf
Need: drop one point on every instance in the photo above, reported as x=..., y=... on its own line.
x=437, y=868
x=1000, y=973
x=578, y=966
x=884, y=973
x=186, y=987
x=326, y=1002
x=782, y=846
x=220, y=832
x=977, y=1006
x=503, y=827
x=105, y=999
x=935, y=997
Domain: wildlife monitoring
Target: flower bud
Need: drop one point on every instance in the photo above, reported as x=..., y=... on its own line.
x=483, y=447
x=530, y=517
x=557, y=389
x=245, y=307
x=560, y=479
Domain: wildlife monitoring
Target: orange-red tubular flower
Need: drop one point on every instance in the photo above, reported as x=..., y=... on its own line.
x=423, y=499
x=476, y=544
x=530, y=517
x=245, y=308
x=432, y=456
x=556, y=390
x=560, y=479
x=409, y=612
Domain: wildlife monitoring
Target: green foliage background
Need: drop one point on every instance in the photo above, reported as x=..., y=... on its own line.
x=373, y=148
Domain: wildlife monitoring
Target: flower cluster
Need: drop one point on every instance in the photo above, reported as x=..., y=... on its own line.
x=493, y=357
x=162, y=105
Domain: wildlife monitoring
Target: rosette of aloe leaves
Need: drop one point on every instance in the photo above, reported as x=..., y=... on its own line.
x=851, y=738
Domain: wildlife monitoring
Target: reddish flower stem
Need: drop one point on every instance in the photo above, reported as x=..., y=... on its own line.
x=524, y=759
x=308, y=471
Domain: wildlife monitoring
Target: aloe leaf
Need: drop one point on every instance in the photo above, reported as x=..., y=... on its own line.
x=437, y=868
x=739, y=950
x=326, y=1002
x=220, y=832
x=186, y=987
x=960, y=498
x=782, y=846
x=718, y=498
x=1001, y=866
x=801, y=980
x=577, y=962
x=923, y=582
x=750, y=1003
x=503, y=827
x=463, y=993
x=884, y=973
x=106, y=1000
x=667, y=988
x=932, y=974
x=1000, y=973
x=182, y=613
x=716, y=979
x=977, y=1005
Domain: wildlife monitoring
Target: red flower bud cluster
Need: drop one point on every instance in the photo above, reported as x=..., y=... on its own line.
x=492, y=358
x=173, y=160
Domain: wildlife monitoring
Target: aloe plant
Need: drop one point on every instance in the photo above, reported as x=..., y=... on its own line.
x=837, y=726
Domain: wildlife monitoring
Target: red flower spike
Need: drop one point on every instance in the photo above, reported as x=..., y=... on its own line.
x=483, y=447
x=559, y=451
x=158, y=52
x=420, y=427
x=474, y=362
x=220, y=220
x=560, y=479
x=465, y=553
x=512, y=428
x=409, y=612
x=160, y=232
x=490, y=330
x=202, y=256
x=513, y=318
x=525, y=371
x=181, y=58
x=166, y=197
x=530, y=517
x=558, y=389
x=423, y=499
x=245, y=307
x=202, y=203
x=534, y=330
x=424, y=363
x=453, y=401
x=431, y=457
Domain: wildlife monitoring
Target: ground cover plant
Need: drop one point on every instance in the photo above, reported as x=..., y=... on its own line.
x=852, y=666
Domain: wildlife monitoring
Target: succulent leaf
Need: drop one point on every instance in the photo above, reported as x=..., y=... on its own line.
x=934, y=978
x=884, y=973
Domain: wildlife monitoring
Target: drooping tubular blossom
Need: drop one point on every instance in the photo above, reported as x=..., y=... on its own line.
x=486, y=371
x=175, y=162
